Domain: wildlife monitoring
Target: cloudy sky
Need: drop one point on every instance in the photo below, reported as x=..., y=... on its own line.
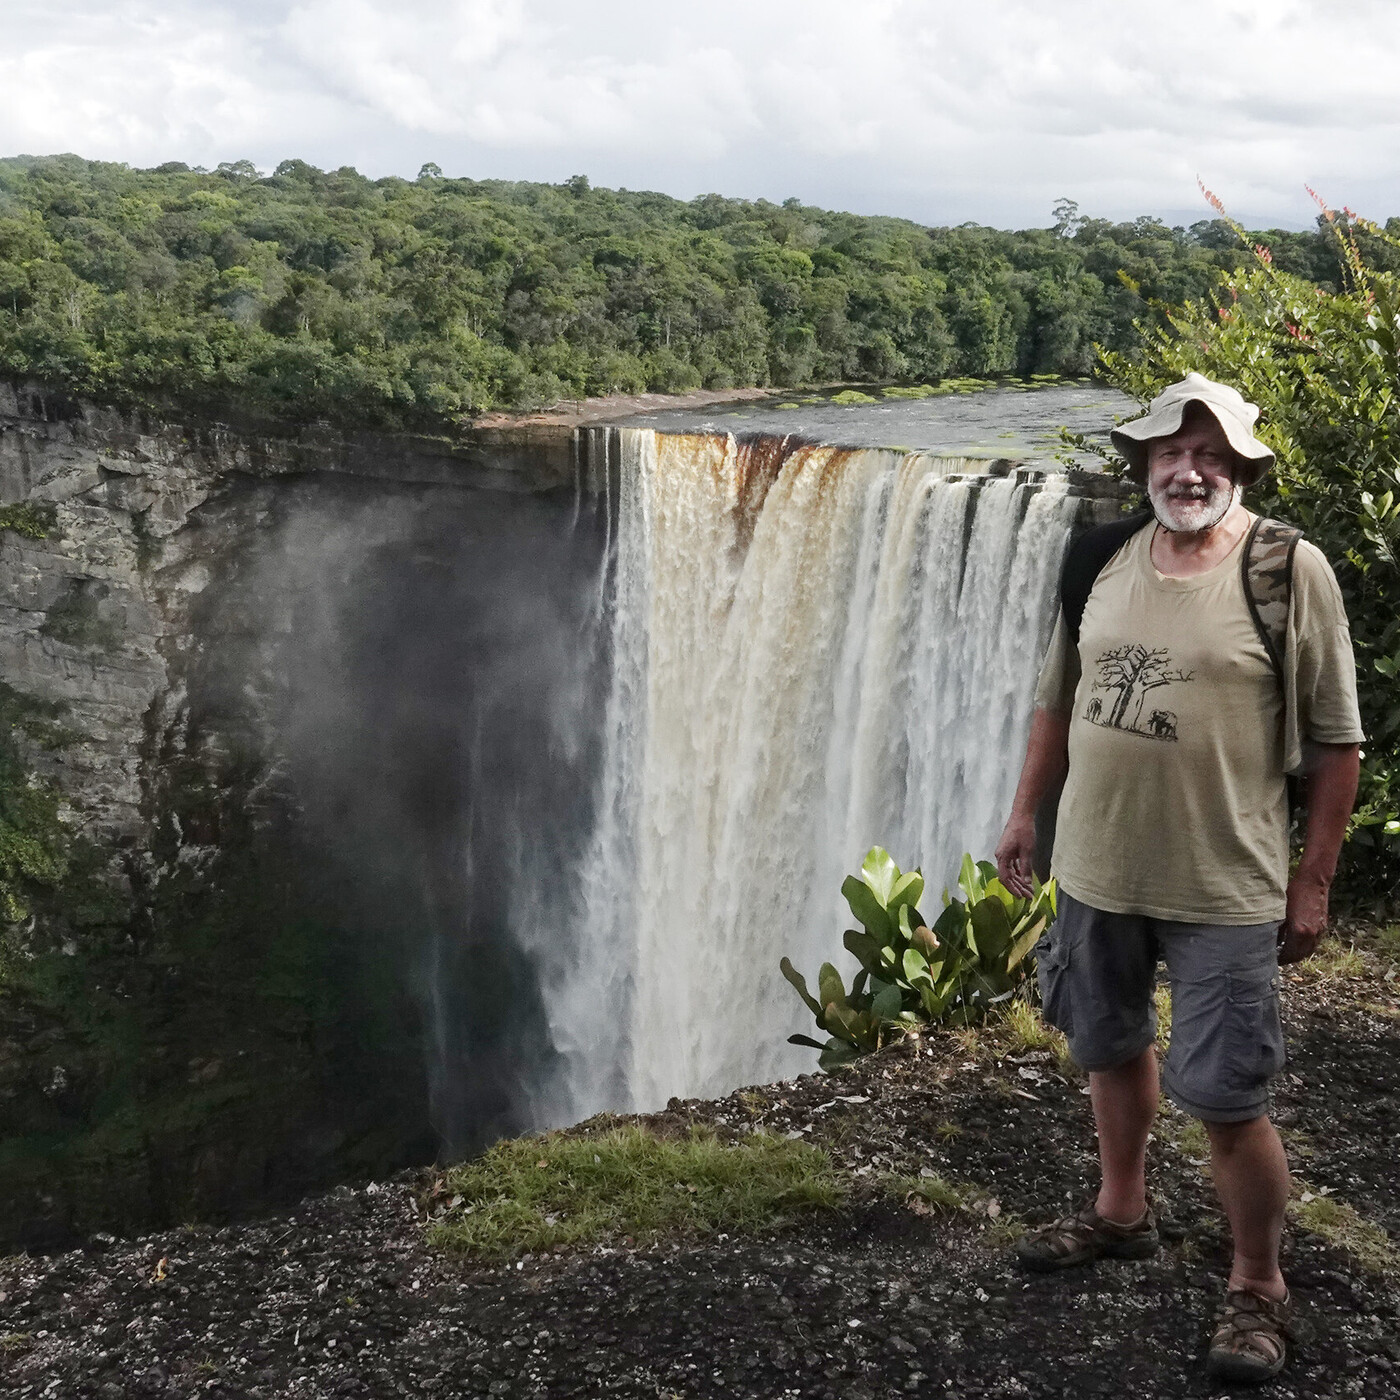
x=939, y=110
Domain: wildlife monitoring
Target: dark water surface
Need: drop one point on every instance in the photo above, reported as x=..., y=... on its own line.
x=1006, y=421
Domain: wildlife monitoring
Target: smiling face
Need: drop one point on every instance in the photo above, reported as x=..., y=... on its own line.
x=1191, y=474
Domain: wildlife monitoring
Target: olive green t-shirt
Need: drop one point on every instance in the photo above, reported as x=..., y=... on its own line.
x=1175, y=805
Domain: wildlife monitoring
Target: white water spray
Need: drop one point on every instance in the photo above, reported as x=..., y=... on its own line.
x=814, y=650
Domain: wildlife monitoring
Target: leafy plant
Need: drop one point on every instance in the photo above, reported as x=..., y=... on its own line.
x=1323, y=365
x=973, y=957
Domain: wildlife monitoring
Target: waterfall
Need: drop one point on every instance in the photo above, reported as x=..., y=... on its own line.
x=814, y=649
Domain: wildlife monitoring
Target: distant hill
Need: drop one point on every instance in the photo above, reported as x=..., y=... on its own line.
x=399, y=303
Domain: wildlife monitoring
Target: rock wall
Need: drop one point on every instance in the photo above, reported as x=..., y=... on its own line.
x=98, y=613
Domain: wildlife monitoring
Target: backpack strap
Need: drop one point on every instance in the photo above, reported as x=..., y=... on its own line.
x=1085, y=560
x=1267, y=568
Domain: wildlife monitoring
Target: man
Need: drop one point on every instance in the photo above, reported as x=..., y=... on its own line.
x=1174, y=730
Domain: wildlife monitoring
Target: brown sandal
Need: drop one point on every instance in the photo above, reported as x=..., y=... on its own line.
x=1084, y=1236
x=1251, y=1338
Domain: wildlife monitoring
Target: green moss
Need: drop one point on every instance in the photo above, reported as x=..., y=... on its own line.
x=853, y=396
x=35, y=845
x=33, y=521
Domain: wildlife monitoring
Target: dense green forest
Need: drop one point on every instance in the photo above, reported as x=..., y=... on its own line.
x=419, y=303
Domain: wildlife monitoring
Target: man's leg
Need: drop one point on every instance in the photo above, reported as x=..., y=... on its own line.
x=1251, y=1178
x=1125, y=1105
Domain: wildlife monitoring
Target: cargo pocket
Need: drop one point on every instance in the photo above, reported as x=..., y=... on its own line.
x=1254, y=1032
x=1052, y=966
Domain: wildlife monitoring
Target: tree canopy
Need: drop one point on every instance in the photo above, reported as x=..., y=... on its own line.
x=396, y=303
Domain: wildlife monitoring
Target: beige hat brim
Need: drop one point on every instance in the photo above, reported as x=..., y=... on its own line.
x=1131, y=440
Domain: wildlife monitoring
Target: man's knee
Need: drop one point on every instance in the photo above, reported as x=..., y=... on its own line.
x=1229, y=1136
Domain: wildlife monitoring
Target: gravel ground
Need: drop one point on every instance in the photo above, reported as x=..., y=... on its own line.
x=340, y=1297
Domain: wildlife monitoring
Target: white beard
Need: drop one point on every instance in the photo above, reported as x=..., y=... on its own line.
x=1192, y=514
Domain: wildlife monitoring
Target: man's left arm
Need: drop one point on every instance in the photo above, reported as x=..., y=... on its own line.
x=1332, y=777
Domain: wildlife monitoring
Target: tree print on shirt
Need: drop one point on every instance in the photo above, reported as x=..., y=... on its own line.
x=1130, y=674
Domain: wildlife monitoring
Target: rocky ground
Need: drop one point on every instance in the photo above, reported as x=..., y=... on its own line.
x=341, y=1297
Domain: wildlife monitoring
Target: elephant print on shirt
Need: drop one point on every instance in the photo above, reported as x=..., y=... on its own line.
x=1129, y=674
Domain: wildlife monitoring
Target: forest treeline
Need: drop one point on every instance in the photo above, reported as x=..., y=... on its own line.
x=401, y=303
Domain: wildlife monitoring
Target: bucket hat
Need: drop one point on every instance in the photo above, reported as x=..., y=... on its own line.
x=1164, y=417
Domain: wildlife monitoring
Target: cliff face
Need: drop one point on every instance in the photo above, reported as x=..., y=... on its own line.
x=100, y=614
x=218, y=997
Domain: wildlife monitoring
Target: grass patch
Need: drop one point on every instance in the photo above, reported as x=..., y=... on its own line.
x=1345, y=1227
x=930, y=1194
x=1186, y=1135
x=853, y=396
x=1334, y=961
x=1027, y=1030
x=935, y=1195
x=532, y=1194
x=1162, y=997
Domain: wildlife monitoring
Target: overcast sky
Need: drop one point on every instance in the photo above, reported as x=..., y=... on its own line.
x=938, y=110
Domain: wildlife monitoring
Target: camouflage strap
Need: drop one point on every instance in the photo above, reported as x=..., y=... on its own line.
x=1267, y=570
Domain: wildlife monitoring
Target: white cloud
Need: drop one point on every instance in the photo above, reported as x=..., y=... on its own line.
x=931, y=108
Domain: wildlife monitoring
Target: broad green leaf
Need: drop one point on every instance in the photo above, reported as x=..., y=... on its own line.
x=867, y=908
x=807, y=1041
x=837, y=1054
x=992, y=928
x=880, y=874
x=906, y=926
x=908, y=889
x=1025, y=942
x=969, y=879
x=887, y=1004
x=951, y=924
x=863, y=948
x=800, y=982
x=915, y=966
x=830, y=985
x=1008, y=900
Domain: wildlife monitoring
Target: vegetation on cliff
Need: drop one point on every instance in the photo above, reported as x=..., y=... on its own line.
x=390, y=302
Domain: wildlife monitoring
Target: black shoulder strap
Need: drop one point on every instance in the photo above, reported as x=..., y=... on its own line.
x=1267, y=568
x=1084, y=562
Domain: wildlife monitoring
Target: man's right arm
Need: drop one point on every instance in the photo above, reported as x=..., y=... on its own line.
x=1047, y=761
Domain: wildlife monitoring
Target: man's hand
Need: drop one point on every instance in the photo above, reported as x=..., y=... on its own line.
x=1047, y=758
x=1332, y=773
x=1015, y=855
x=1306, y=919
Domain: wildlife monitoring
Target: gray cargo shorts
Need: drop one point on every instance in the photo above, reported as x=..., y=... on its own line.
x=1097, y=973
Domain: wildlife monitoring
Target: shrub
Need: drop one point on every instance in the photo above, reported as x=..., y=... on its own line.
x=974, y=956
x=1323, y=367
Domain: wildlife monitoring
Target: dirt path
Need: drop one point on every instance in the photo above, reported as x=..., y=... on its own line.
x=340, y=1297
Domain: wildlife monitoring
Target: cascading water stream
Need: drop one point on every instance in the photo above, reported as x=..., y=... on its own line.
x=814, y=649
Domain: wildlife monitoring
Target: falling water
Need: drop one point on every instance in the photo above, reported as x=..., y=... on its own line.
x=814, y=649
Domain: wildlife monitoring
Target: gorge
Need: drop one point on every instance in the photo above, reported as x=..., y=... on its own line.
x=432, y=791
